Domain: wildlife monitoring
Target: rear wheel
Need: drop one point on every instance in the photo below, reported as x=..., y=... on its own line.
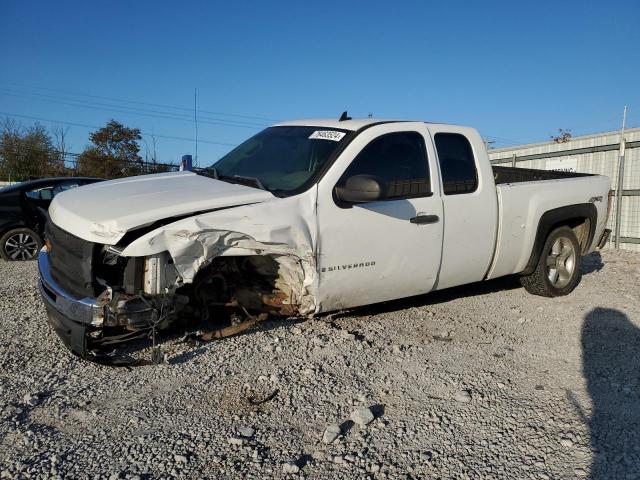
x=558, y=270
x=20, y=244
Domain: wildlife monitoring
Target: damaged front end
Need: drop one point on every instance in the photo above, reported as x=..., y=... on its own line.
x=226, y=279
x=139, y=293
x=124, y=299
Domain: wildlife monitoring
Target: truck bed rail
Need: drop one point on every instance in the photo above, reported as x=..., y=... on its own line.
x=516, y=175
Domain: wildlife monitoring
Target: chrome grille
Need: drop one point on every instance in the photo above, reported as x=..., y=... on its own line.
x=71, y=260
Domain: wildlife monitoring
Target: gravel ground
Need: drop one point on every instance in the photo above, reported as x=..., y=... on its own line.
x=482, y=381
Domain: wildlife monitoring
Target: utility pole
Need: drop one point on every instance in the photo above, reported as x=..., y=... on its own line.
x=195, y=119
x=620, y=179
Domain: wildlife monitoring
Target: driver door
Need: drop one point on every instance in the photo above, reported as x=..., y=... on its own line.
x=391, y=247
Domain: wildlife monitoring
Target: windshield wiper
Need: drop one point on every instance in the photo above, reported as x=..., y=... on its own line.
x=241, y=179
x=212, y=172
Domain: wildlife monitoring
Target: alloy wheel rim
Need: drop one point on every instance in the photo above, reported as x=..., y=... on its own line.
x=561, y=262
x=21, y=246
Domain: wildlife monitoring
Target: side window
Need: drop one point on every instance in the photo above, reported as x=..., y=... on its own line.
x=458, y=167
x=399, y=160
x=40, y=194
x=46, y=194
x=35, y=194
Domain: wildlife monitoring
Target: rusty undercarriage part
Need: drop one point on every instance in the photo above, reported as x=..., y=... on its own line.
x=253, y=283
x=136, y=312
x=232, y=287
x=232, y=330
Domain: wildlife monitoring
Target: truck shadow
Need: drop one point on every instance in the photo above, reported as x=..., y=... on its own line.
x=590, y=263
x=611, y=368
x=434, y=298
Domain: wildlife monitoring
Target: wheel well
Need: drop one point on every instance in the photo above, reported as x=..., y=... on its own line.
x=580, y=218
x=581, y=226
x=255, y=282
x=7, y=228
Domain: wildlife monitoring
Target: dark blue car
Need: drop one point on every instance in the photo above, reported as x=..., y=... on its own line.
x=23, y=208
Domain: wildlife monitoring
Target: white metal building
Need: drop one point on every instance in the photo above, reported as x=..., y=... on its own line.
x=598, y=153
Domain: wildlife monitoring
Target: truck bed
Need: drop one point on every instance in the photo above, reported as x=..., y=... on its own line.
x=518, y=175
x=525, y=197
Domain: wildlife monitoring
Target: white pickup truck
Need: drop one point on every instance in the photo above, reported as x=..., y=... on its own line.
x=307, y=217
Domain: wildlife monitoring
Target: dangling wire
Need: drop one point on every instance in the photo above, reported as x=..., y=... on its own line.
x=156, y=319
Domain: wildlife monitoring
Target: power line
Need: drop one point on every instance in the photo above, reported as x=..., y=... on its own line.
x=138, y=102
x=83, y=102
x=130, y=110
x=84, y=125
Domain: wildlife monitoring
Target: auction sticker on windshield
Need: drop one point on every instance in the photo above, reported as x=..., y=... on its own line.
x=327, y=135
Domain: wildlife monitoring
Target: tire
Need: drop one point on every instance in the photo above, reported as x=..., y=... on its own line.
x=558, y=270
x=20, y=244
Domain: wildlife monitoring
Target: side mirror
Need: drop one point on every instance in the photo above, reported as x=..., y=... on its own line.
x=361, y=189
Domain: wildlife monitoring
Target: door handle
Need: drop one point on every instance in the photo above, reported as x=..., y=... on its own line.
x=424, y=219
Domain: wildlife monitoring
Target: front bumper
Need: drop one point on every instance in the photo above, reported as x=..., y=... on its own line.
x=70, y=317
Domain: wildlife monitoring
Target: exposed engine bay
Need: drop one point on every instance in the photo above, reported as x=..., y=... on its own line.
x=145, y=295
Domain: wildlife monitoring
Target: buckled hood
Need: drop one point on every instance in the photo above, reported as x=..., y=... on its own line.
x=103, y=212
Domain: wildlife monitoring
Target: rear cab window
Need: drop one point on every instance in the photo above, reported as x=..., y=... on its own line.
x=457, y=163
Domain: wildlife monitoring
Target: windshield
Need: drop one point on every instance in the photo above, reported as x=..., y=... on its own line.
x=282, y=159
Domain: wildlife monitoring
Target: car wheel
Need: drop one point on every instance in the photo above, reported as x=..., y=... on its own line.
x=559, y=267
x=20, y=244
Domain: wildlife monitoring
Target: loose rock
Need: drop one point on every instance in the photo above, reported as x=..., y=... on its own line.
x=565, y=442
x=290, y=467
x=362, y=416
x=247, y=432
x=330, y=434
x=463, y=396
x=236, y=441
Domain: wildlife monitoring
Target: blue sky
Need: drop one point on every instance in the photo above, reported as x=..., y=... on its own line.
x=517, y=71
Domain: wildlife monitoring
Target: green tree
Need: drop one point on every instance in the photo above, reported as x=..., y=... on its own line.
x=115, y=152
x=28, y=153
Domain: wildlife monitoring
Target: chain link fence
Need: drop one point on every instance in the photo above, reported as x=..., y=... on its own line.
x=31, y=165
